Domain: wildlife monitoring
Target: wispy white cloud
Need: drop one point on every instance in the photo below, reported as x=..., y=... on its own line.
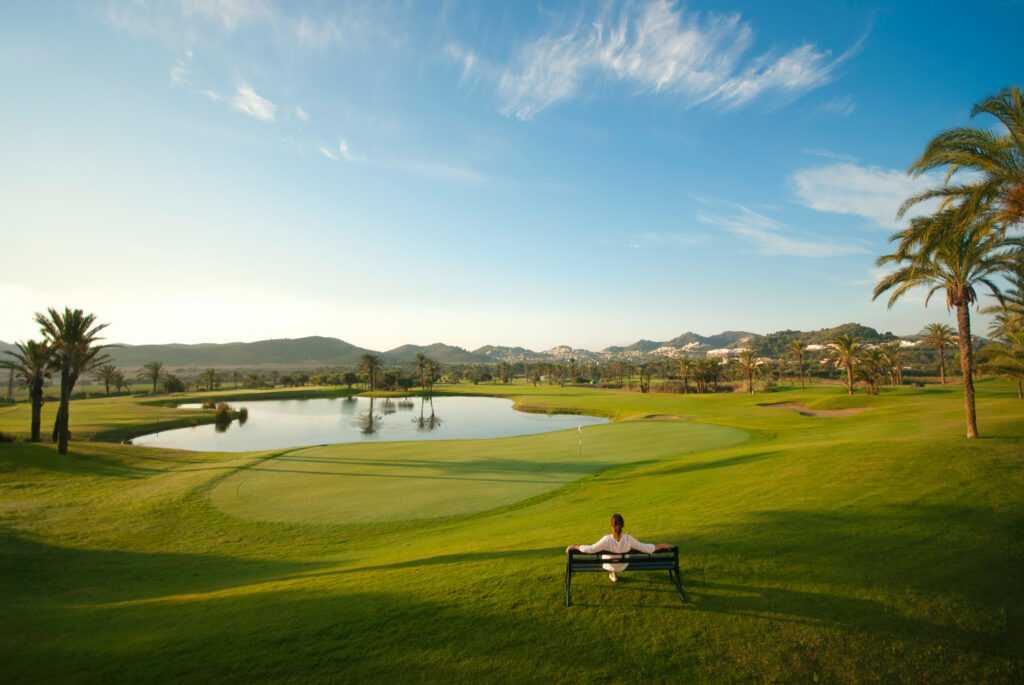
x=840, y=106
x=660, y=49
x=865, y=191
x=347, y=154
x=469, y=61
x=770, y=237
x=447, y=172
x=248, y=101
x=439, y=171
x=179, y=76
x=212, y=95
x=228, y=13
x=828, y=154
x=301, y=114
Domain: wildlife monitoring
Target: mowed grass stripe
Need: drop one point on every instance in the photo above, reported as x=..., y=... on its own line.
x=370, y=483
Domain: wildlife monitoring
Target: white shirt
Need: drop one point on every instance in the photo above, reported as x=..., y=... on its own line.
x=624, y=544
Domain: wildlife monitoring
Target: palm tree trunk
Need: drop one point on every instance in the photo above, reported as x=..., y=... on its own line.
x=36, y=393
x=942, y=365
x=849, y=379
x=1020, y=391
x=61, y=425
x=802, y=374
x=963, y=321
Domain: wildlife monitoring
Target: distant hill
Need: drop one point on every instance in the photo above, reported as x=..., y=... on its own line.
x=498, y=353
x=776, y=344
x=286, y=354
x=724, y=339
x=299, y=352
x=439, y=352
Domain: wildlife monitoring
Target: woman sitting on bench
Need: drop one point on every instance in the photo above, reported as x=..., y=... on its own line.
x=618, y=543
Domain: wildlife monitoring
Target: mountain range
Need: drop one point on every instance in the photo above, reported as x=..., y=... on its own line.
x=316, y=351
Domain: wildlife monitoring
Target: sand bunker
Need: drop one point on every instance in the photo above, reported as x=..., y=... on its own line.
x=802, y=409
x=661, y=417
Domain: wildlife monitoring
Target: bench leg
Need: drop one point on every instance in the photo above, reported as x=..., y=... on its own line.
x=674, y=577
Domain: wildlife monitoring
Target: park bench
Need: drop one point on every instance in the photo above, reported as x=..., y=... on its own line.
x=665, y=560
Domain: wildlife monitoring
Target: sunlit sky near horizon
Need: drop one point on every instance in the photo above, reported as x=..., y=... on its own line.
x=474, y=173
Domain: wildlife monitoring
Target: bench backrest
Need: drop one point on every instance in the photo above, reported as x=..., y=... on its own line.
x=634, y=560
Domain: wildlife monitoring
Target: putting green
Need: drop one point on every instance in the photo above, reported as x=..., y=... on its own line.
x=387, y=482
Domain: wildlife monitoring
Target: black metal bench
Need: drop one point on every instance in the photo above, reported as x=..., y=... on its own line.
x=664, y=560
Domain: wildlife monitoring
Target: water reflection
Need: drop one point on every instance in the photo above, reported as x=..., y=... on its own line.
x=287, y=423
x=368, y=421
x=427, y=423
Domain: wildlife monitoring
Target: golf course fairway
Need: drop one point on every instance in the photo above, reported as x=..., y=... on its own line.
x=365, y=483
x=877, y=546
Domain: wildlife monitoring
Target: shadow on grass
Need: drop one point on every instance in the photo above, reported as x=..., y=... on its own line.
x=34, y=572
x=15, y=456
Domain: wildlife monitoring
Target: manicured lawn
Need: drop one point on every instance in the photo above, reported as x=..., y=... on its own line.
x=878, y=546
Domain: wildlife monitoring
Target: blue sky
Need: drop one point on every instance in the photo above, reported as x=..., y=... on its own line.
x=473, y=172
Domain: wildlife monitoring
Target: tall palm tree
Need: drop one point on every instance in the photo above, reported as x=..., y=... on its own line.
x=71, y=336
x=433, y=372
x=120, y=382
x=994, y=160
x=370, y=365
x=798, y=348
x=938, y=335
x=154, y=371
x=954, y=252
x=107, y=375
x=686, y=366
x=891, y=356
x=421, y=365
x=33, y=361
x=747, y=361
x=844, y=353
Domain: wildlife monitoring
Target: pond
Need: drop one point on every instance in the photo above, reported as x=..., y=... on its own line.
x=274, y=424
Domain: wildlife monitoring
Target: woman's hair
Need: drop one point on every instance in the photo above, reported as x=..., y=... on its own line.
x=617, y=521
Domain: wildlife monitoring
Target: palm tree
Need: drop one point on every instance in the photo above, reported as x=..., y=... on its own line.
x=235, y=377
x=995, y=162
x=872, y=368
x=71, y=336
x=107, y=374
x=211, y=378
x=951, y=251
x=370, y=365
x=154, y=371
x=421, y=364
x=686, y=366
x=845, y=352
x=798, y=348
x=120, y=382
x=33, y=361
x=892, y=356
x=747, y=361
x=433, y=372
x=1006, y=358
x=938, y=335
